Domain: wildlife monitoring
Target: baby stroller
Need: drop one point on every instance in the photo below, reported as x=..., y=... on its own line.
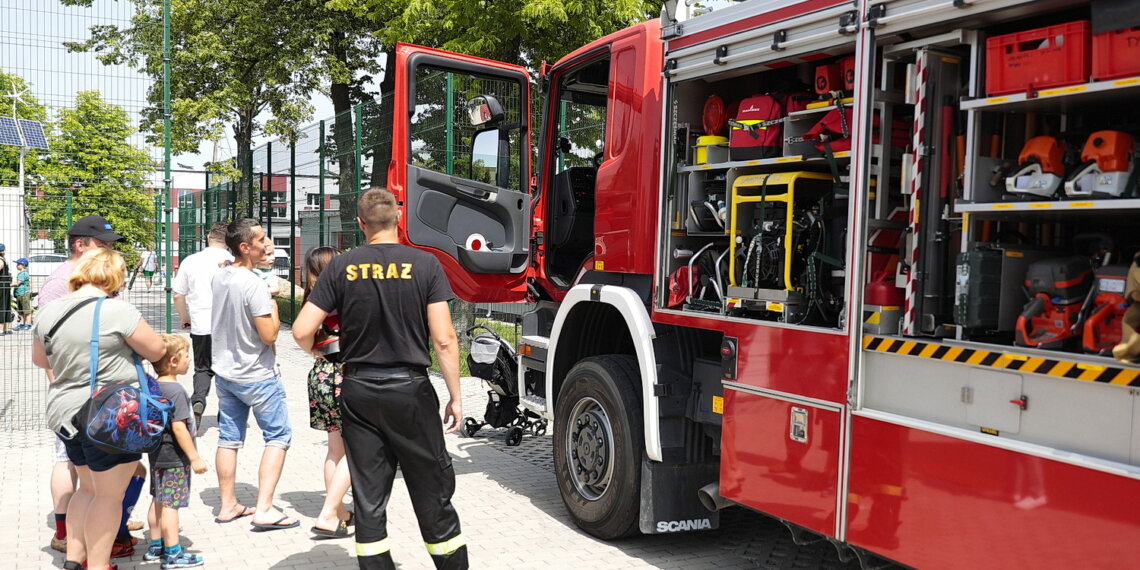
x=492, y=359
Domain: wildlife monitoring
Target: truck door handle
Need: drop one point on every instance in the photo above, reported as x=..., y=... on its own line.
x=473, y=191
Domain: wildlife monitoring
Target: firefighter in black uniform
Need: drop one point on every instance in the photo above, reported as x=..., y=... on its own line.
x=390, y=297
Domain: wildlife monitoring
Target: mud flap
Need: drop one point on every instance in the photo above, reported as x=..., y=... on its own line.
x=669, y=501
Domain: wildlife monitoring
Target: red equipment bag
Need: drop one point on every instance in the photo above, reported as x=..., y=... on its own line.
x=757, y=129
x=797, y=101
x=682, y=283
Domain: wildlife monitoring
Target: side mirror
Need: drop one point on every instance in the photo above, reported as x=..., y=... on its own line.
x=485, y=110
x=485, y=156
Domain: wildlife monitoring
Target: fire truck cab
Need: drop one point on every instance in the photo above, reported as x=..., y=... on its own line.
x=850, y=264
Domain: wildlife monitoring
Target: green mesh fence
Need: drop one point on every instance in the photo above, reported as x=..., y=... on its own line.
x=303, y=190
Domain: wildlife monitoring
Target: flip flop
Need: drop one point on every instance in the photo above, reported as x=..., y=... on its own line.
x=237, y=514
x=340, y=532
x=275, y=525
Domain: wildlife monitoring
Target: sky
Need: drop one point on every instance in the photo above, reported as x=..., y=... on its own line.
x=31, y=37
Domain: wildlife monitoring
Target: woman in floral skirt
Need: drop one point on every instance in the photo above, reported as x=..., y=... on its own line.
x=324, y=412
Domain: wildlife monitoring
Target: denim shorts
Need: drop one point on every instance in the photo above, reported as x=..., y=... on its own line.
x=83, y=454
x=266, y=399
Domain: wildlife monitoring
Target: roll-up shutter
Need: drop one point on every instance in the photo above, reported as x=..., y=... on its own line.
x=811, y=34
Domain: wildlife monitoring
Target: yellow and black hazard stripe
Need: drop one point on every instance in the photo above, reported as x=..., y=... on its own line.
x=1060, y=368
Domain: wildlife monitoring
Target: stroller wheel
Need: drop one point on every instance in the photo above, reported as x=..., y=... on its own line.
x=514, y=436
x=471, y=427
x=539, y=428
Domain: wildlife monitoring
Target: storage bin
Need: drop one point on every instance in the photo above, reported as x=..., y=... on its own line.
x=1037, y=59
x=711, y=150
x=828, y=78
x=1066, y=280
x=1116, y=54
x=847, y=66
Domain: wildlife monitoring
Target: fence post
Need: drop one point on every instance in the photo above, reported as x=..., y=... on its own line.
x=321, y=187
x=293, y=247
x=267, y=189
x=67, y=246
x=358, y=238
x=450, y=119
x=166, y=118
x=249, y=190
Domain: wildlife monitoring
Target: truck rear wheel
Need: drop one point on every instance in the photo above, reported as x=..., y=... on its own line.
x=598, y=442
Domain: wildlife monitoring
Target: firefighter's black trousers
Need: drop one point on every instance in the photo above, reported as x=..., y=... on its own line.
x=391, y=418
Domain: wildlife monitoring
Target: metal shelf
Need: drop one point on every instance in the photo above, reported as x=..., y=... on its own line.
x=1058, y=99
x=779, y=160
x=1049, y=205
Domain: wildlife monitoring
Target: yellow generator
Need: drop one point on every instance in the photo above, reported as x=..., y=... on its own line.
x=786, y=251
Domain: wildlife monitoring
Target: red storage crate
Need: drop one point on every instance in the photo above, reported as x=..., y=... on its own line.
x=1116, y=54
x=828, y=78
x=1036, y=59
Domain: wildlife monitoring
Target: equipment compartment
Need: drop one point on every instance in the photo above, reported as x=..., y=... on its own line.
x=722, y=221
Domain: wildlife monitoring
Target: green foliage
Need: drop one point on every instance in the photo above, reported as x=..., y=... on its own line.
x=106, y=175
x=29, y=108
x=524, y=32
x=231, y=61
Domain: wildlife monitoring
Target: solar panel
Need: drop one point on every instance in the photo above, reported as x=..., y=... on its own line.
x=33, y=134
x=8, y=134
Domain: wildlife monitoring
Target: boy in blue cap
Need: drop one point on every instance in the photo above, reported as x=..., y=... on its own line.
x=23, y=294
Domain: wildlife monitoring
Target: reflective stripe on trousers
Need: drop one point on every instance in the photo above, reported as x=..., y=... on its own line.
x=392, y=420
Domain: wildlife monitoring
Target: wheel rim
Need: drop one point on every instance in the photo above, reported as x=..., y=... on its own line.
x=589, y=448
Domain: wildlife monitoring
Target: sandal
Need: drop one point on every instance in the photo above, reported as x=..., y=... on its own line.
x=340, y=532
x=238, y=512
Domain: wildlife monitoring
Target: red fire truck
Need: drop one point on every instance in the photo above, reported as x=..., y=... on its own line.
x=838, y=262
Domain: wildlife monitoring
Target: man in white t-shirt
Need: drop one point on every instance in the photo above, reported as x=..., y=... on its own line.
x=148, y=263
x=194, y=301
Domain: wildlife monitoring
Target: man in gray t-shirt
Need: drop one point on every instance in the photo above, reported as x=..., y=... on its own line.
x=244, y=326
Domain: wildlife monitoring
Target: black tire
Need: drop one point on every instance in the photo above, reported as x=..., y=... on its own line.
x=599, y=399
x=514, y=436
x=471, y=427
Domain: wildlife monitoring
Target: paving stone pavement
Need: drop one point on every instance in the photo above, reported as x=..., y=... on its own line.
x=506, y=497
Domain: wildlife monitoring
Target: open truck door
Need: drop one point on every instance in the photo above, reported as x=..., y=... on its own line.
x=461, y=168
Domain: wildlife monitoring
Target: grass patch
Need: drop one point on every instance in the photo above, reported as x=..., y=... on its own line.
x=510, y=332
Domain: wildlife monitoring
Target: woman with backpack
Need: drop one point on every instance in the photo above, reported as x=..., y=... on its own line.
x=62, y=344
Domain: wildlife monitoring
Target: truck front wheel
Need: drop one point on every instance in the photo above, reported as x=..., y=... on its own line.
x=598, y=442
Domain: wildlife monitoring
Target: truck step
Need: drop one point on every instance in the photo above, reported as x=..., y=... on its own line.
x=536, y=404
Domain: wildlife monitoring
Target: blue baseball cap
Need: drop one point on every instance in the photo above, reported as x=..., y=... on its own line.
x=22, y=261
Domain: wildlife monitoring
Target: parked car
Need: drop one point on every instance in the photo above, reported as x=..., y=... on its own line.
x=44, y=264
x=40, y=266
x=281, y=264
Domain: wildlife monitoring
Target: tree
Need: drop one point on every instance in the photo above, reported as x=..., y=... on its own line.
x=91, y=157
x=523, y=33
x=27, y=107
x=232, y=60
x=347, y=56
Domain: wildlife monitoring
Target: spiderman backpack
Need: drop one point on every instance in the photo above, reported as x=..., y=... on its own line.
x=125, y=416
x=757, y=129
